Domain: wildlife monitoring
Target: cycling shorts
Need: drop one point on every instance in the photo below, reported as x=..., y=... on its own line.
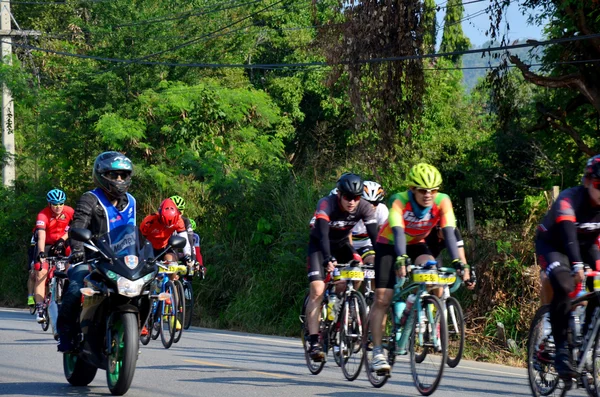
x=342, y=251
x=385, y=261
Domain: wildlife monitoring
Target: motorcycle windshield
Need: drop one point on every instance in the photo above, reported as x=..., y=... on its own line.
x=128, y=250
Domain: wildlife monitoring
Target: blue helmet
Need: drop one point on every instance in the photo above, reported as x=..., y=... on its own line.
x=56, y=196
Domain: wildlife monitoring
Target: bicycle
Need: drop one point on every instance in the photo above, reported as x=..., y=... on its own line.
x=421, y=332
x=188, y=293
x=585, y=350
x=54, y=287
x=163, y=314
x=342, y=330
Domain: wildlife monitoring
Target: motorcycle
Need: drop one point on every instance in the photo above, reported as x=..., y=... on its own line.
x=115, y=305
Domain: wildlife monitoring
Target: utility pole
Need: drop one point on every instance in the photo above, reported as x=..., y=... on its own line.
x=8, y=109
x=7, y=118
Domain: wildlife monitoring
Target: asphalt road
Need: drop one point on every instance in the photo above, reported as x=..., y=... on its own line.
x=210, y=362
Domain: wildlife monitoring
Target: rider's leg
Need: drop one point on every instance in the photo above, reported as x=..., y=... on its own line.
x=316, y=276
x=70, y=307
x=385, y=279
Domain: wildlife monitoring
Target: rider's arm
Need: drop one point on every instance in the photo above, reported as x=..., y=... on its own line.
x=396, y=221
x=182, y=232
x=448, y=225
x=82, y=218
x=322, y=229
x=568, y=233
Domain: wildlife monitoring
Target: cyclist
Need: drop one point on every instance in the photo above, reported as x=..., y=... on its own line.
x=334, y=219
x=437, y=243
x=373, y=193
x=199, y=261
x=50, y=234
x=180, y=203
x=160, y=226
x=100, y=210
x=567, y=238
x=401, y=241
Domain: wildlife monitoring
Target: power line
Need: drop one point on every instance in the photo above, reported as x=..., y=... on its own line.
x=310, y=64
x=205, y=11
x=55, y=2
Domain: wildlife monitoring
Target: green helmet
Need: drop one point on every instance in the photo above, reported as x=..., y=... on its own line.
x=179, y=202
x=425, y=176
x=193, y=224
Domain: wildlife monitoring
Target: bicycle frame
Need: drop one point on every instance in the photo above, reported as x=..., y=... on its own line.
x=590, y=337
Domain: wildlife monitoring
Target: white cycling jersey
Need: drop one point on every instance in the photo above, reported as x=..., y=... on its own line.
x=360, y=238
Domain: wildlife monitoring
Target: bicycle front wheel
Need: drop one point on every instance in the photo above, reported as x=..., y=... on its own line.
x=353, y=327
x=180, y=310
x=456, y=331
x=543, y=379
x=168, y=316
x=188, y=296
x=314, y=367
x=428, y=345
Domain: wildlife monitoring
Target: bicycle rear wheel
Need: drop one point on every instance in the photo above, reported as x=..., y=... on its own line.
x=180, y=313
x=456, y=331
x=428, y=345
x=353, y=327
x=188, y=294
x=314, y=367
x=168, y=316
x=388, y=342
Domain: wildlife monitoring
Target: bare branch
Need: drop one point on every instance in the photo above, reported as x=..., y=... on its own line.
x=573, y=81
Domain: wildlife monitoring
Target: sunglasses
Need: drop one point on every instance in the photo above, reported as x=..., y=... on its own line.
x=115, y=174
x=57, y=205
x=595, y=183
x=425, y=191
x=351, y=198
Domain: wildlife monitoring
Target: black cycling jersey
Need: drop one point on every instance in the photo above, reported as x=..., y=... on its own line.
x=331, y=224
x=572, y=224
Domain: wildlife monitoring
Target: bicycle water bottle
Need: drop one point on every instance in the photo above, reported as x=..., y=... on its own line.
x=331, y=307
x=409, y=303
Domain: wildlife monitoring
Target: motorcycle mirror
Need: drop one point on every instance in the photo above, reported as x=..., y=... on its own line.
x=177, y=242
x=80, y=234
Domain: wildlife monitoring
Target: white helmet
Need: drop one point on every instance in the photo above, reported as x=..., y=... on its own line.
x=373, y=192
x=334, y=191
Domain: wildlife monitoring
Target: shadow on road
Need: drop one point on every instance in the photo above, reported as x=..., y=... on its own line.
x=51, y=389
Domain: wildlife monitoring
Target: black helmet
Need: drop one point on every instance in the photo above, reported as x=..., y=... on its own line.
x=592, y=167
x=350, y=184
x=106, y=163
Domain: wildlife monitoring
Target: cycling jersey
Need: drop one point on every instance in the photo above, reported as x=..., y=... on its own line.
x=360, y=237
x=402, y=214
x=55, y=225
x=331, y=225
x=159, y=234
x=572, y=224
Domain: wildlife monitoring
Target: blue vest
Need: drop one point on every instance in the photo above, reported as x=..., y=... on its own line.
x=114, y=217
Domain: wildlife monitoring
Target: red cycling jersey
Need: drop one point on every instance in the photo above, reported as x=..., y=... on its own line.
x=55, y=225
x=157, y=233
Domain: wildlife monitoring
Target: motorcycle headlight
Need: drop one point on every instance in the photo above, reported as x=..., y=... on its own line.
x=130, y=288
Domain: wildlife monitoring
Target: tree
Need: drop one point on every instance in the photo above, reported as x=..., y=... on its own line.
x=453, y=38
x=571, y=69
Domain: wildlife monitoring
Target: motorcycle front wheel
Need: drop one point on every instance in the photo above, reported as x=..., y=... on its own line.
x=122, y=359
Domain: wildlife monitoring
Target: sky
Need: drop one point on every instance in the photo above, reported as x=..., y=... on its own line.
x=475, y=27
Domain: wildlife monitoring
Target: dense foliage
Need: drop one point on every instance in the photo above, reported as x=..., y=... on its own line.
x=252, y=149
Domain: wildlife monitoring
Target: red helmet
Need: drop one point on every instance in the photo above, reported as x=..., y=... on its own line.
x=168, y=213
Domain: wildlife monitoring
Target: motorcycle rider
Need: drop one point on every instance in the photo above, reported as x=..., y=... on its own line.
x=100, y=210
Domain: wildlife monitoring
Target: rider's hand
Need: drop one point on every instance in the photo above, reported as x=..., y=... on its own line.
x=42, y=257
x=401, y=263
x=469, y=281
x=76, y=257
x=329, y=264
x=357, y=257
